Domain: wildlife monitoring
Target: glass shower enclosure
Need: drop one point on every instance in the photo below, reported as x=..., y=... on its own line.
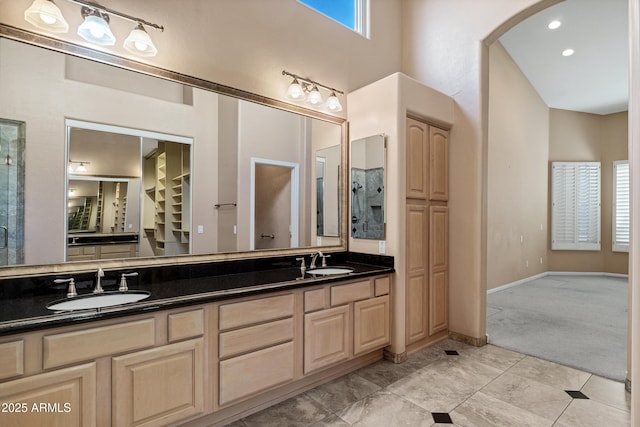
x=12, y=141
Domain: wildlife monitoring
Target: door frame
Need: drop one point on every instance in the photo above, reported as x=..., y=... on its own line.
x=295, y=198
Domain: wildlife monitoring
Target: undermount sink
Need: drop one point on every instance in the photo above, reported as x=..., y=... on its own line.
x=329, y=271
x=107, y=299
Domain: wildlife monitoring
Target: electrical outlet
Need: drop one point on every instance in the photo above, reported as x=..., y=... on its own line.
x=382, y=247
x=200, y=229
x=540, y=260
x=521, y=239
x=526, y=263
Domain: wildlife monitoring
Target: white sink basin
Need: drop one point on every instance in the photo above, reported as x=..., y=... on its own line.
x=329, y=271
x=107, y=299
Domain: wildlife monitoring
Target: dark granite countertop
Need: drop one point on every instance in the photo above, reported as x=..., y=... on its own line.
x=23, y=301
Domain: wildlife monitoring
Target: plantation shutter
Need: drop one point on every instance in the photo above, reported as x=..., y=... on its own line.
x=621, y=206
x=575, y=206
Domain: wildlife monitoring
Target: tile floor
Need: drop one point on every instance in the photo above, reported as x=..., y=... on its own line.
x=479, y=386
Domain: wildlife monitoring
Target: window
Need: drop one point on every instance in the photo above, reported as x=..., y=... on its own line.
x=575, y=206
x=621, y=206
x=350, y=13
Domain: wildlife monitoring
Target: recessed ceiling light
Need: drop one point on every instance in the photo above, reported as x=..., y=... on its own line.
x=554, y=24
x=568, y=52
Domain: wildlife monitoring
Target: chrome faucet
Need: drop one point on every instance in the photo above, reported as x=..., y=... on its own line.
x=99, y=275
x=123, y=281
x=314, y=257
x=71, y=291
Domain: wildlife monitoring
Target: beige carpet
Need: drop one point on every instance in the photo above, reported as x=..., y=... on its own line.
x=574, y=320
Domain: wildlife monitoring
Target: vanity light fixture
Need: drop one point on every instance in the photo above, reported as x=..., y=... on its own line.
x=302, y=89
x=44, y=14
x=81, y=166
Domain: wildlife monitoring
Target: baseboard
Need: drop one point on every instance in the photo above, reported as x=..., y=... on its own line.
x=554, y=273
x=477, y=342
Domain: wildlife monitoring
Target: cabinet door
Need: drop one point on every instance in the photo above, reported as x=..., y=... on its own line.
x=417, y=272
x=371, y=324
x=438, y=268
x=438, y=164
x=158, y=386
x=65, y=397
x=326, y=337
x=417, y=150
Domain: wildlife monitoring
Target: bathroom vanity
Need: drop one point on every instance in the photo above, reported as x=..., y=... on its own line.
x=205, y=347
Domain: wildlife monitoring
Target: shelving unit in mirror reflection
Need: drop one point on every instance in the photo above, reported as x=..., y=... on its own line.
x=167, y=198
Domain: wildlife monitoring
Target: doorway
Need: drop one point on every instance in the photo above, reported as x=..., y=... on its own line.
x=274, y=204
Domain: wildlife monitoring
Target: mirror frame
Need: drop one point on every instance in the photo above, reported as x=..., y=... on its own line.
x=65, y=47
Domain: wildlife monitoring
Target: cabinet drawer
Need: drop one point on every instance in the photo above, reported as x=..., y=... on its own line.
x=255, y=311
x=186, y=325
x=116, y=249
x=252, y=373
x=255, y=337
x=382, y=285
x=343, y=294
x=88, y=344
x=314, y=300
x=11, y=359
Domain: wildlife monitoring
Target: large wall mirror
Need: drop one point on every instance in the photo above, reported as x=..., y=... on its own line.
x=120, y=164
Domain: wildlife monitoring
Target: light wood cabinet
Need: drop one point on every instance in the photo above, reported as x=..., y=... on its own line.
x=158, y=386
x=426, y=239
x=357, y=322
x=219, y=359
x=65, y=398
x=417, y=154
x=438, y=164
x=370, y=324
x=255, y=346
x=438, y=269
x=326, y=337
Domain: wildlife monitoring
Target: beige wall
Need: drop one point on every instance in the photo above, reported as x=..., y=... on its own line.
x=518, y=150
x=576, y=136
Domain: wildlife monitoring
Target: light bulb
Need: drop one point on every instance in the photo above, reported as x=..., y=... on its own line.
x=96, y=31
x=295, y=91
x=82, y=168
x=140, y=46
x=333, y=103
x=139, y=42
x=47, y=19
x=315, y=97
x=554, y=25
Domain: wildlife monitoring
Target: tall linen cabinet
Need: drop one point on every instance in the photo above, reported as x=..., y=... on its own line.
x=427, y=228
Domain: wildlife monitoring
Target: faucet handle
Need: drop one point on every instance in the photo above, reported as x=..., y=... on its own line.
x=71, y=291
x=301, y=259
x=123, y=281
x=324, y=260
x=99, y=275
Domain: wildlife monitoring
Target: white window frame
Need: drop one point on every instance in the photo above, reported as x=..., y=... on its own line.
x=620, y=235
x=361, y=16
x=576, y=206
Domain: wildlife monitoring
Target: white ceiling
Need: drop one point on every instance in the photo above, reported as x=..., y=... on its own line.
x=595, y=78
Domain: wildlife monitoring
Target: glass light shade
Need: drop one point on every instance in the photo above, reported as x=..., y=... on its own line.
x=70, y=167
x=44, y=14
x=295, y=91
x=315, y=97
x=96, y=30
x=81, y=168
x=139, y=43
x=333, y=103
